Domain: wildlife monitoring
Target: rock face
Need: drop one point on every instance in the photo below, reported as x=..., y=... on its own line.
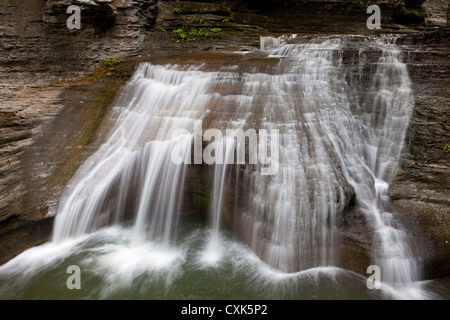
x=35, y=37
x=41, y=80
x=104, y=14
x=51, y=105
x=436, y=12
x=421, y=187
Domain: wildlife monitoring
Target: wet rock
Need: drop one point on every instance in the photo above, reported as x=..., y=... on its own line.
x=436, y=13
x=420, y=189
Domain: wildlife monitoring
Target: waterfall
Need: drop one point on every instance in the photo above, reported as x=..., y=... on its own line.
x=335, y=145
x=225, y=148
x=269, y=42
x=226, y=155
x=291, y=215
x=339, y=144
x=361, y=140
x=132, y=177
x=389, y=104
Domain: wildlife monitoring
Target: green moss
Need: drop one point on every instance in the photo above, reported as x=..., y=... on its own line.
x=112, y=67
x=111, y=63
x=196, y=19
x=186, y=25
x=447, y=148
x=177, y=11
x=189, y=34
x=230, y=13
x=7, y=119
x=180, y=32
x=409, y=11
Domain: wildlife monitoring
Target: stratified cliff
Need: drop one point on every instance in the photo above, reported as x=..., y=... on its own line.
x=54, y=94
x=421, y=187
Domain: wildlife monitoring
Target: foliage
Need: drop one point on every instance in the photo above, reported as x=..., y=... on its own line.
x=111, y=64
x=187, y=33
x=191, y=34
x=410, y=11
x=196, y=33
x=231, y=14
x=180, y=32
x=196, y=19
x=447, y=148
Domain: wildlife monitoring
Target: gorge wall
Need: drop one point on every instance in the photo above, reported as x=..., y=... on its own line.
x=54, y=95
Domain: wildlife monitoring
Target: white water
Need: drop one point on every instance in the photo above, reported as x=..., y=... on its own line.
x=226, y=151
x=338, y=140
x=270, y=42
x=113, y=267
x=132, y=177
x=331, y=135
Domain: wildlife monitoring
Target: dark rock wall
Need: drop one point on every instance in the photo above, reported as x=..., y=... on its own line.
x=421, y=188
x=35, y=37
x=50, y=106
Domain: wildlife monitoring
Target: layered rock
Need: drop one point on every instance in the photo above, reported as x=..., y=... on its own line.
x=421, y=188
x=35, y=36
x=436, y=12
x=46, y=121
x=42, y=69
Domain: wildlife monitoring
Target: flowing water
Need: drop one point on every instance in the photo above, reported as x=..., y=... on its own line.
x=340, y=132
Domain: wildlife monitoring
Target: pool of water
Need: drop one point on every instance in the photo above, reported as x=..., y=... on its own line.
x=199, y=265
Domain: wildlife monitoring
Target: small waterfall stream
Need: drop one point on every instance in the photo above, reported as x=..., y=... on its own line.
x=132, y=175
x=339, y=143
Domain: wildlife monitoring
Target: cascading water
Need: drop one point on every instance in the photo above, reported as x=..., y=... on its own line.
x=291, y=215
x=269, y=42
x=332, y=146
x=225, y=155
x=132, y=175
x=339, y=142
x=389, y=104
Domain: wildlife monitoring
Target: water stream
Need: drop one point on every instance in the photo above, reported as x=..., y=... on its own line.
x=121, y=217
